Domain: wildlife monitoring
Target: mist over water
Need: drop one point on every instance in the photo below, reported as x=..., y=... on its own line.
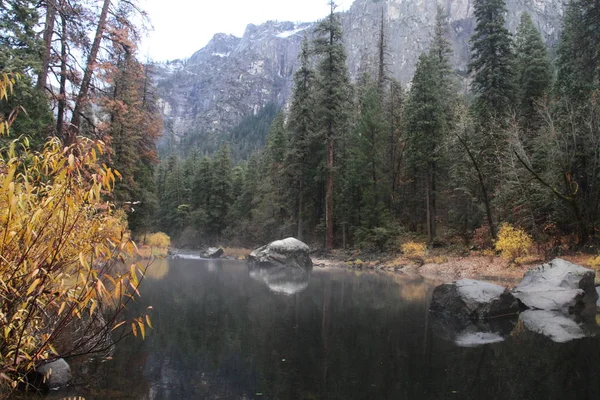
x=221, y=334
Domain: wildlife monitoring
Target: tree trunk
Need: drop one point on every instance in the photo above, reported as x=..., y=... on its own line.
x=47, y=39
x=486, y=200
x=62, y=91
x=300, y=234
x=82, y=97
x=329, y=194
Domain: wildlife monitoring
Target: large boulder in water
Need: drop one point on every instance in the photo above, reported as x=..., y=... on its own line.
x=290, y=251
x=475, y=300
x=558, y=286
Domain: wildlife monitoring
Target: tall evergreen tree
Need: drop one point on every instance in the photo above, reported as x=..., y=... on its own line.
x=533, y=72
x=428, y=116
x=491, y=61
x=221, y=188
x=301, y=128
x=333, y=99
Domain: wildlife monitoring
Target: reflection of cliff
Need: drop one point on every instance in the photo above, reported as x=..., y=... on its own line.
x=346, y=336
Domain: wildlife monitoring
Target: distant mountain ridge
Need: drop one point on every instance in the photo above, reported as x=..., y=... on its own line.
x=231, y=78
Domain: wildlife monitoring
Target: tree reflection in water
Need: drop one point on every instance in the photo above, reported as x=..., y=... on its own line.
x=220, y=334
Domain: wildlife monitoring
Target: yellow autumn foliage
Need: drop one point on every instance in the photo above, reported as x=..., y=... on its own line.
x=513, y=243
x=594, y=262
x=60, y=241
x=413, y=249
x=158, y=239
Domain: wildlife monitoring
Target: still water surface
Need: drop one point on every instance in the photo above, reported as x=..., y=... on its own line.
x=220, y=333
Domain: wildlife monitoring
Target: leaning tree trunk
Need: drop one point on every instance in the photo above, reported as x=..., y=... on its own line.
x=47, y=39
x=82, y=97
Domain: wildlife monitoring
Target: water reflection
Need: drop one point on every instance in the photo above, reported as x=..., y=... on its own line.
x=281, y=278
x=222, y=335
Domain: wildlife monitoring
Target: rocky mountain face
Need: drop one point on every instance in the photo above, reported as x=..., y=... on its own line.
x=234, y=77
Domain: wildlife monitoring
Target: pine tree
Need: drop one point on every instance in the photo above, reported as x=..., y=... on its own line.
x=395, y=107
x=19, y=53
x=533, y=73
x=220, y=195
x=491, y=61
x=429, y=116
x=301, y=130
x=333, y=99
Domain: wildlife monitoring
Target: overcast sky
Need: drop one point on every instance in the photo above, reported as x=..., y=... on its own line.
x=182, y=27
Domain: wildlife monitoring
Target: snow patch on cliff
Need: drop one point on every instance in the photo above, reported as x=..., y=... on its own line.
x=287, y=34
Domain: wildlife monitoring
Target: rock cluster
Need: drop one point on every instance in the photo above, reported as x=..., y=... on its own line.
x=553, y=295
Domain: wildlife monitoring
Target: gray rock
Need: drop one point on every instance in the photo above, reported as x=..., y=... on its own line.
x=558, y=286
x=476, y=300
x=211, y=252
x=555, y=325
x=289, y=251
x=57, y=373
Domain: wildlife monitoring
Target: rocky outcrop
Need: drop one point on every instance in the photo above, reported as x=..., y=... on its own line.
x=233, y=77
x=558, y=286
x=211, y=252
x=289, y=252
x=475, y=300
x=57, y=373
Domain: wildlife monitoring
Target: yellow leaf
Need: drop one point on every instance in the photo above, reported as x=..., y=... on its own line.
x=134, y=329
x=142, y=329
x=148, y=321
x=93, y=307
x=117, y=325
x=33, y=286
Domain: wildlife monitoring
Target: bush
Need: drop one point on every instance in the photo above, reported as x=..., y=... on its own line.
x=413, y=249
x=158, y=239
x=594, y=262
x=60, y=242
x=513, y=243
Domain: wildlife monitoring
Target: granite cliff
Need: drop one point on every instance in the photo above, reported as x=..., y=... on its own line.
x=232, y=77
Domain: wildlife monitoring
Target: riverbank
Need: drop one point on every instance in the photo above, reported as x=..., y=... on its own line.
x=446, y=268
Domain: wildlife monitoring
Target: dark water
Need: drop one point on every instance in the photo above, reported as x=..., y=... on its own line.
x=220, y=334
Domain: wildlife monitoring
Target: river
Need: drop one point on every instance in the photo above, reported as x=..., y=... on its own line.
x=220, y=333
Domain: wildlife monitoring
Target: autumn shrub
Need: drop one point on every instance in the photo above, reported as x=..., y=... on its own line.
x=60, y=242
x=413, y=249
x=158, y=239
x=513, y=243
x=594, y=262
x=482, y=239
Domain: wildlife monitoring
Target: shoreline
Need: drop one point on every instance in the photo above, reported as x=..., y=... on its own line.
x=480, y=267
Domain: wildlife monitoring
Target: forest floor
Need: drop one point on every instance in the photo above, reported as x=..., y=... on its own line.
x=446, y=268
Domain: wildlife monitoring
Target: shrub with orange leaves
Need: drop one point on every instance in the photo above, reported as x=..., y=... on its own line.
x=60, y=242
